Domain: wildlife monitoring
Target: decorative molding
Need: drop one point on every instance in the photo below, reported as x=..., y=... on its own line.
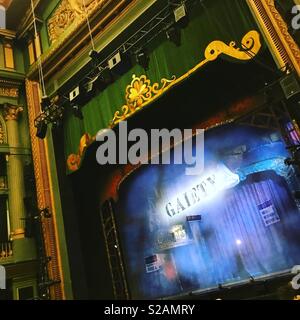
x=141, y=93
x=290, y=45
x=7, y=34
x=138, y=93
x=17, y=234
x=61, y=19
x=9, y=92
x=6, y=250
x=3, y=139
x=74, y=160
x=44, y=189
x=11, y=112
x=56, y=58
x=70, y=12
x=281, y=43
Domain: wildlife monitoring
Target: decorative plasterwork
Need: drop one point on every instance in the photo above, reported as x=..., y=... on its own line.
x=9, y=88
x=68, y=13
x=44, y=189
x=282, y=44
x=292, y=47
x=9, y=92
x=3, y=136
x=56, y=58
x=11, y=112
x=141, y=92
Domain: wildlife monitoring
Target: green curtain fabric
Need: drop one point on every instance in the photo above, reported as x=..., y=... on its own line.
x=224, y=20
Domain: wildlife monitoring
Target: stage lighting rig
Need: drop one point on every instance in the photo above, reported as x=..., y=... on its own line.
x=94, y=55
x=51, y=113
x=46, y=213
x=45, y=103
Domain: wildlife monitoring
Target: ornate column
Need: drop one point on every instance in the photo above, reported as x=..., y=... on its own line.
x=15, y=172
x=282, y=45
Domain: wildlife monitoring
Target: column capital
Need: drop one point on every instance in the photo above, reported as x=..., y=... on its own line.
x=11, y=112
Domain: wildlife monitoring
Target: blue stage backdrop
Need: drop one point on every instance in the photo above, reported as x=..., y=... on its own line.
x=237, y=220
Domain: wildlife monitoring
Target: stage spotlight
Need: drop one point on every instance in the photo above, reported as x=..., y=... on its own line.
x=94, y=55
x=174, y=35
x=41, y=129
x=180, y=15
x=119, y=64
x=45, y=103
x=143, y=59
x=77, y=111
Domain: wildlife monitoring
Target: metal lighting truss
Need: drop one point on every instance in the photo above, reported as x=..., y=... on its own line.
x=159, y=23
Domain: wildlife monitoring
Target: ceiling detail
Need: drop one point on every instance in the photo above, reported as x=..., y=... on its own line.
x=68, y=13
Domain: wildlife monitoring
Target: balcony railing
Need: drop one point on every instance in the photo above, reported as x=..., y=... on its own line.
x=6, y=250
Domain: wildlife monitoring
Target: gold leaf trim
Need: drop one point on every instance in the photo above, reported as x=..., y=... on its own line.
x=140, y=92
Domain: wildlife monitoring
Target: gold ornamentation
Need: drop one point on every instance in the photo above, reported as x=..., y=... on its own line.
x=74, y=160
x=67, y=13
x=140, y=92
x=250, y=46
x=11, y=112
x=289, y=43
x=9, y=92
x=3, y=139
x=280, y=41
x=62, y=18
x=17, y=234
x=44, y=189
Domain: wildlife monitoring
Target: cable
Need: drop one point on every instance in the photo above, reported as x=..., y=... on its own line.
x=41, y=75
x=88, y=24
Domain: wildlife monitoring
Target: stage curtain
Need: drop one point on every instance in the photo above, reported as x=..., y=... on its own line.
x=224, y=20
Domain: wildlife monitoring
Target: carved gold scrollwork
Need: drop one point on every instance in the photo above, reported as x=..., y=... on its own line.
x=3, y=137
x=9, y=92
x=250, y=46
x=70, y=12
x=140, y=92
